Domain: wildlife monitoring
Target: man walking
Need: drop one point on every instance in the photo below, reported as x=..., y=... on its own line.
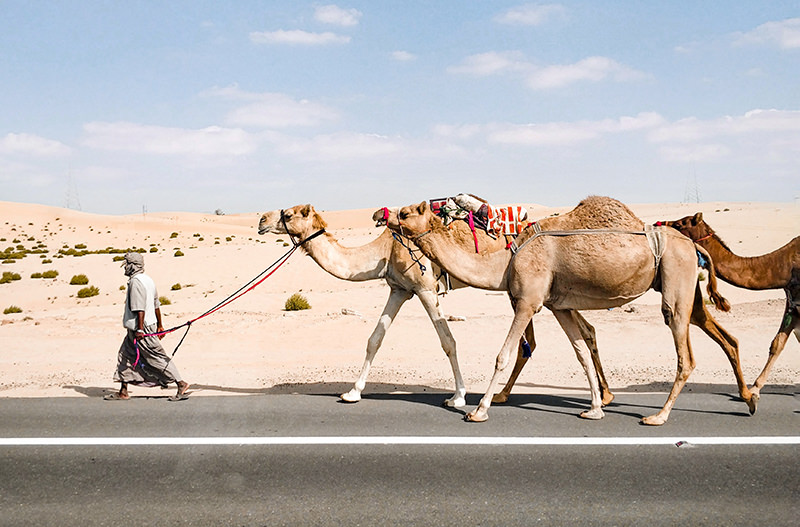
x=141, y=359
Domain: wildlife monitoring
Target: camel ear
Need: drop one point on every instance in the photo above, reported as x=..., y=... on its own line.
x=697, y=218
x=422, y=208
x=306, y=210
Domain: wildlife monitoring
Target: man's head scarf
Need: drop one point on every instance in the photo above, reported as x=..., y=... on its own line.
x=134, y=264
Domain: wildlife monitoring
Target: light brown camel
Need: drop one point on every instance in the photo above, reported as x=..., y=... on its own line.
x=381, y=258
x=779, y=269
x=603, y=261
x=485, y=243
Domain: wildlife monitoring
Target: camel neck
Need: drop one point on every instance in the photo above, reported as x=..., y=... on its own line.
x=741, y=271
x=365, y=262
x=484, y=271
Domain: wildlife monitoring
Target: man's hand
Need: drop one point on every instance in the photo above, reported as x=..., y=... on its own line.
x=160, y=331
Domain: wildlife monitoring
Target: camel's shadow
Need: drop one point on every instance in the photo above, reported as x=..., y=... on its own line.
x=559, y=403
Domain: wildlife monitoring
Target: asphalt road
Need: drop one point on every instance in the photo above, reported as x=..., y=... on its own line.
x=143, y=462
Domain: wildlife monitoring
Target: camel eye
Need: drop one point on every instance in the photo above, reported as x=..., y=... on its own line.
x=403, y=215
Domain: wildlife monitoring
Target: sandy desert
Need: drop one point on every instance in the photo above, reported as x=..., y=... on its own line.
x=61, y=345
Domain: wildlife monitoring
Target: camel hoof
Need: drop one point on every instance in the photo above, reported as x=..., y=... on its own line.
x=476, y=417
x=607, y=398
x=353, y=396
x=455, y=401
x=654, y=420
x=501, y=398
x=594, y=414
x=752, y=404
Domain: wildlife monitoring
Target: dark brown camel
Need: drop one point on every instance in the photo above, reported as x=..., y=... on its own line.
x=779, y=269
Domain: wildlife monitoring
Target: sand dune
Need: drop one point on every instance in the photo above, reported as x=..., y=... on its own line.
x=61, y=345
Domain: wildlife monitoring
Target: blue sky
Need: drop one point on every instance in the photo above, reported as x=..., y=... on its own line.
x=191, y=105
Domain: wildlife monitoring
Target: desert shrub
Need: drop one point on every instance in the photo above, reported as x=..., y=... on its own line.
x=297, y=302
x=47, y=261
x=52, y=273
x=86, y=292
x=80, y=246
x=164, y=301
x=153, y=249
x=79, y=279
x=36, y=275
x=173, y=235
x=178, y=253
x=175, y=287
x=12, y=309
x=9, y=277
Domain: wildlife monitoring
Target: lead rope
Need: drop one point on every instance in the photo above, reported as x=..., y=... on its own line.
x=411, y=252
x=249, y=286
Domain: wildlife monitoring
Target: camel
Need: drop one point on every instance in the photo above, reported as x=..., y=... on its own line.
x=595, y=257
x=779, y=269
x=388, y=217
x=382, y=258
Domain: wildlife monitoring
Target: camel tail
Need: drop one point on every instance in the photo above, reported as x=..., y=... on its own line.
x=720, y=302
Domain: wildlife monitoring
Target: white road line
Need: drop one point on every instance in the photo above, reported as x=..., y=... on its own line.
x=399, y=440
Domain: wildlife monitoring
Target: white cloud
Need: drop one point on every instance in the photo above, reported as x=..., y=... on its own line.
x=297, y=36
x=530, y=14
x=785, y=34
x=272, y=110
x=403, y=56
x=132, y=137
x=694, y=153
x=762, y=135
x=33, y=145
x=592, y=69
x=333, y=14
x=467, y=131
x=753, y=122
x=342, y=146
x=568, y=133
x=281, y=111
x=491, y=63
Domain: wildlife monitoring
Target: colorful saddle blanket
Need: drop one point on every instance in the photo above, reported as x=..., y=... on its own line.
x=496, y=221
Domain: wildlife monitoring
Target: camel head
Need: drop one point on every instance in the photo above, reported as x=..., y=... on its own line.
x=300, y=221
x=692, y=227
x=414, y=220
x=386, y=217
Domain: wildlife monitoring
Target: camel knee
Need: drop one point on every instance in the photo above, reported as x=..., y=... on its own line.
x=668, y=314
x=502, y=361
x=374, y=342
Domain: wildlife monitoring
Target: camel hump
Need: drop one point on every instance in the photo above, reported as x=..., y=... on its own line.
x=601, y=212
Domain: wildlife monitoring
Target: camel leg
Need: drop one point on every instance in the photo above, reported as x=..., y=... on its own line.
x=790, y=322
x=570, y=326
x=678, y=323
x=518, y=365
x=396, y=300
x=590, y=337
x=431, y=304
x=522, y=317
x=703, y=319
